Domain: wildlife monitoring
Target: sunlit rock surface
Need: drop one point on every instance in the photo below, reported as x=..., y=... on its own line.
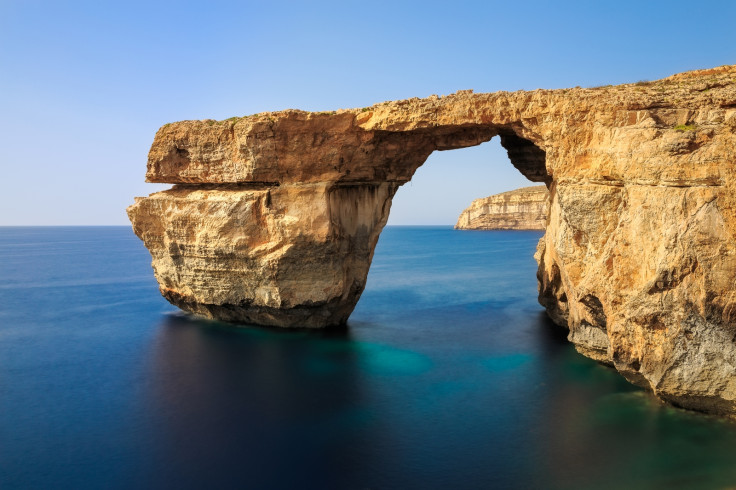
x=275, y=216
x=521, y=209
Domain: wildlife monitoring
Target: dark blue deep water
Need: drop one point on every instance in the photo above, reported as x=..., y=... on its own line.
x=448, y=376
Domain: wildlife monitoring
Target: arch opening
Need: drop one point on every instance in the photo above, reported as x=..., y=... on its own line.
x=430, y=249
x=445, y=182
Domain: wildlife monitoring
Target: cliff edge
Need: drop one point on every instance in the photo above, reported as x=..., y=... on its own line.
x=521, y=209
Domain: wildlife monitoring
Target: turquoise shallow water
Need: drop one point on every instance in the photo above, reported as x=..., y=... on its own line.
x=449, y=375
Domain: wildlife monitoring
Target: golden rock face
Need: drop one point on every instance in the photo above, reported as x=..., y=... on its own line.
x=274, y=217
x=521, y=209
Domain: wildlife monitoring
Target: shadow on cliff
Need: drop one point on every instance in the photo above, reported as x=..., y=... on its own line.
x=553, y=334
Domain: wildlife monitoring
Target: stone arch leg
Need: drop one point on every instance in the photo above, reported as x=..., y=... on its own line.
x=288, y=256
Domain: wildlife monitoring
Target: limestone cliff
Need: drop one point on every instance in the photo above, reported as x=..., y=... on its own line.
x=274, y=217
x=521, y=209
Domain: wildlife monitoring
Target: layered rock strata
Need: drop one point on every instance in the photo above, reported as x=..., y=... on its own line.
x=521, y=209
x=274, y=217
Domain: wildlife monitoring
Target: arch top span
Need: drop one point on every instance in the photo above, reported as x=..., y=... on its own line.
x=274, y=217
x=387, y=141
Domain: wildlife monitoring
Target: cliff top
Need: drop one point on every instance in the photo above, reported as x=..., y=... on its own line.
x=344, y=146
x=677, y=89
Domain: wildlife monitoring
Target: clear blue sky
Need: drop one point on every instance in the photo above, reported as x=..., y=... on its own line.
x=85, y=85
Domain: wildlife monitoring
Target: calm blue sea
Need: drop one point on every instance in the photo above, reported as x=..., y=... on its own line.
x=448, y=376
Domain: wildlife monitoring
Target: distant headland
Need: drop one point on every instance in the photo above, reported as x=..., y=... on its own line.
x=521, y=209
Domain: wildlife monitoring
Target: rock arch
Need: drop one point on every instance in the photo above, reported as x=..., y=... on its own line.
x=274, y=217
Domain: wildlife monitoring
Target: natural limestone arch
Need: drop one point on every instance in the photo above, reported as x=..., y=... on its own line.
x=274, y=217
x=303, y=198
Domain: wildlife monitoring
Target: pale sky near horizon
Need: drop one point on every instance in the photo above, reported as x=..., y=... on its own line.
x=85, y=85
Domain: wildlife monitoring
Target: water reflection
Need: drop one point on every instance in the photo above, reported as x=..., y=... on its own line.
x=338, y=409
x=424, y=408
x=253, y=401
x=449, y=376
x=598, y=431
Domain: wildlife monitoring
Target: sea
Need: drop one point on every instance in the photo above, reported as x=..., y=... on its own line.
x=448, y=375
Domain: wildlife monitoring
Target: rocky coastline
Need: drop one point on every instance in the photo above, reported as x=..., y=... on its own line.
x=274, y=217
x=520, y=209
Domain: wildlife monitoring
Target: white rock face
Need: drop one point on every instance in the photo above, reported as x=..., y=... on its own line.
x=520, y=209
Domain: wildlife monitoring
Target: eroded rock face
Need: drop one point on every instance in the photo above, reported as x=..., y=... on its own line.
x=521, y=209
x=293, y=256
x=275, y=216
